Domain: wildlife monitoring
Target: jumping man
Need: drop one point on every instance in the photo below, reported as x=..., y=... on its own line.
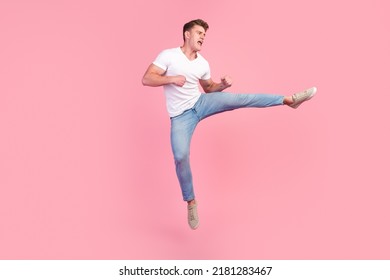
x=179, y=70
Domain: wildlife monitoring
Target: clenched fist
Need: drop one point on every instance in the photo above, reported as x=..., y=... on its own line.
x=226, y=81
x=178, y=80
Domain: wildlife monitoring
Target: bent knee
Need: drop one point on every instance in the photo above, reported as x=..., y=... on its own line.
x=181, y=158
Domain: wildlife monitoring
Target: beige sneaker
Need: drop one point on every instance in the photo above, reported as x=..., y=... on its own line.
x=193, y=219
x=303, y=96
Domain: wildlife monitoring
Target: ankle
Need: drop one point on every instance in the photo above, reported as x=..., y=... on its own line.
x=288, y=100
x=191, y=202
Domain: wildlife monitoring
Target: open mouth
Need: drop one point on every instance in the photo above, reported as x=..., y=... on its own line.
x=200, y=43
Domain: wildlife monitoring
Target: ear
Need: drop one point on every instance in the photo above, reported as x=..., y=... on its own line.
x=187, y=34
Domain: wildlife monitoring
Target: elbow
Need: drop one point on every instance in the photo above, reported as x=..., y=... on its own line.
x=208, y=89
x=144, y=81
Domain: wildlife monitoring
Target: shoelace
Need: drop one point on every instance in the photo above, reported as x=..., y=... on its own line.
x=192, y=214
x=299, y=96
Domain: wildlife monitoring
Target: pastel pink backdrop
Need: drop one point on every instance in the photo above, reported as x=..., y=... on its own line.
x=85, y=160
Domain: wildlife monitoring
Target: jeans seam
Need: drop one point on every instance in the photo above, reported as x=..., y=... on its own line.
x=196, y=113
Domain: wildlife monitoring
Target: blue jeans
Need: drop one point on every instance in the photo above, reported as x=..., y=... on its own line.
x=183, y=126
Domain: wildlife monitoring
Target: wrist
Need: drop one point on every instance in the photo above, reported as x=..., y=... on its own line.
x=224, y=86
x=170, y=80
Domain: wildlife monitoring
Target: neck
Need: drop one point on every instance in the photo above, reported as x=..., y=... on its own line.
x=188, y=52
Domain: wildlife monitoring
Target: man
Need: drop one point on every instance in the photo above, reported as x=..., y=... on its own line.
x=179, y=70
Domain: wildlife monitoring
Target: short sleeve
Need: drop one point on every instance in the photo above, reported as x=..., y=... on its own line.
x=207, y=74
x=162, y=60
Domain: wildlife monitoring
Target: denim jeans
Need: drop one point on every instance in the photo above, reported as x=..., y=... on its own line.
x=183, y=126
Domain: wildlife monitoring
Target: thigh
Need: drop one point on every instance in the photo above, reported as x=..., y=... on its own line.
x=182, y=129
x=215, y=102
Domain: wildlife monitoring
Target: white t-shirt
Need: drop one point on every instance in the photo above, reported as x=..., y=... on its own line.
x=175, y=62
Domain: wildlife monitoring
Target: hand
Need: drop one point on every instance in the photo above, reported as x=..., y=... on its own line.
x=178, y=80
x=226, y=81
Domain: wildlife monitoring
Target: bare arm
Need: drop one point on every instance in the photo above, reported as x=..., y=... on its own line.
x=155, y=77
x=210, y=86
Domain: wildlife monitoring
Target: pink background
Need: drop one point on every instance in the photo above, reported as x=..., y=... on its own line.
x=85, y=160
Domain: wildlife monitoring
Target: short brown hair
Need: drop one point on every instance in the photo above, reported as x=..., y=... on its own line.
x=188, y=26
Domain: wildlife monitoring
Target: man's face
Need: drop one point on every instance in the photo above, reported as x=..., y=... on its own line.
x=196, y=37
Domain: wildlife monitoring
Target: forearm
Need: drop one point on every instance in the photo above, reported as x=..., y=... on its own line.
x=216, y=87
x=155, y=80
